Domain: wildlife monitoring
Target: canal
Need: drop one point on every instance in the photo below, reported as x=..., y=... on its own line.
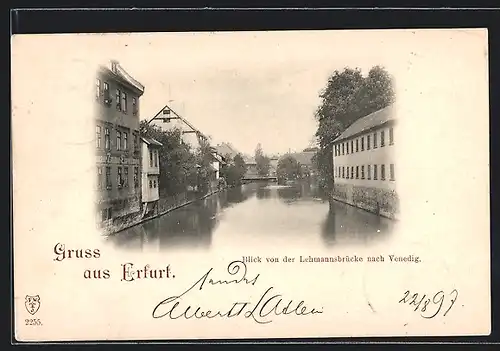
x=257, y=213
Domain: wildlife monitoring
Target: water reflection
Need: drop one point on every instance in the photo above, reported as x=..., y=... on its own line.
x=257, y=212
x=345, y=223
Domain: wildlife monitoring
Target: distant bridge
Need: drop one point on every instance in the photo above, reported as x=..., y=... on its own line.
x=257, y=178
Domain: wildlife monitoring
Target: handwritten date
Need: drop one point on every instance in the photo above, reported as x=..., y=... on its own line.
x=431, y=307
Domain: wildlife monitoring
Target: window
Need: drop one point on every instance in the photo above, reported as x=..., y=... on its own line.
x=118, y=140
x=375, y=172
x=107, y=143
x=98, y=137
x=156, y=158
x=357, y=172
x=150, y=183
x=107, y=99
x=369, y=172
x=362, y=143
x=125, y=141
x=99, y=178
x=109, y=185
x=382, y=172
x=125, y=169
x=134, y=106
x=98, y=89
x=118, y=100
x=120, y=177
x=136, y=177
x=375, y=140
x=154, y=183
x=135, y=143
x=343, y=148
x=347, y=173
x=124, y=102
x=362, y=172
x=352, y=172
x=391, y=170
x=347, y=148
x=343, y=172
x=368, y=146
x=391, y=136
x=382, y=138
x=357, y=145
x=352, y=146
x=150, y=158
x=106, y=214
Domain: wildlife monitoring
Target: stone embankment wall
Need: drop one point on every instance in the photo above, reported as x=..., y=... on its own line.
x=165, y=205
x=382, y=202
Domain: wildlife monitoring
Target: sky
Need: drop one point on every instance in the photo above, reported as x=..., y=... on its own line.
x=245, y=88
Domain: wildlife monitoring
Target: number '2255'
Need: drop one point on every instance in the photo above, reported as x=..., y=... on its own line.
x=33, y=321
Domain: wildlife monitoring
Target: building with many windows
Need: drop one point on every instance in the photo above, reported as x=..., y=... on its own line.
x=118, y=146
x=364, y=163
x=150, y=175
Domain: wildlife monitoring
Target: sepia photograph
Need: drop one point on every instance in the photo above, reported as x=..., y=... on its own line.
x=251, y=185
x=273, y=156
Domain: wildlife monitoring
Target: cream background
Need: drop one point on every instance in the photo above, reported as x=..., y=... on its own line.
x=443, y=181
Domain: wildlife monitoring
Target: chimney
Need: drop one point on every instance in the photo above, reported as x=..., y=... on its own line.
x=114, y=65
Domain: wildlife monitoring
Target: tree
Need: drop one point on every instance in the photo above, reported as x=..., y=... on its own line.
x=347, y=97
x=288, y=167
x=204, y=160
x=263, y=163
x=234, y=171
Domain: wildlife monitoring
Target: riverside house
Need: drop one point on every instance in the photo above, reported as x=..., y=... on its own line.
x=117, y=145
x=365, y=166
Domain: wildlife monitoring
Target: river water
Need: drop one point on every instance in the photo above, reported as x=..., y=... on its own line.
x=257, y=214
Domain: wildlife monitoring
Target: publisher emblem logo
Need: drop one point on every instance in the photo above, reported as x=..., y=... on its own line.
x=32, y=303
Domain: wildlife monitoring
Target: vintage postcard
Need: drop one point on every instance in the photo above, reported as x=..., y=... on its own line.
x=234, y=185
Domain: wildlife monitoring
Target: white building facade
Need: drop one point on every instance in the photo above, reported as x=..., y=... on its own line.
x=150, y=175
x=364, y=164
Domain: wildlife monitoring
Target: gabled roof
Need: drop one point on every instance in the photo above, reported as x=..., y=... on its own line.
x=151, y=141
x=368, y=122
x=304, y=158
x=226, y=149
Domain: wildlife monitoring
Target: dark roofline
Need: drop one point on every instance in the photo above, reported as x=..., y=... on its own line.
x=151, y=141
x=106, y=70
x=346, y=134
x=364, y=131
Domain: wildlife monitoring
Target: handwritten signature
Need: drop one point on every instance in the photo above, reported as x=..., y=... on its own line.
x=424, y=304
x=261, y=312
